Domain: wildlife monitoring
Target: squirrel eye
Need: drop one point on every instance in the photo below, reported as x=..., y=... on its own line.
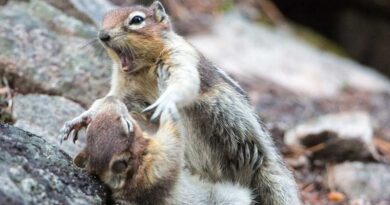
x=119, y=166
x=136, y=20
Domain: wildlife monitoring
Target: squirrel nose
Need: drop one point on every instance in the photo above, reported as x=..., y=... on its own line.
x=104, y=36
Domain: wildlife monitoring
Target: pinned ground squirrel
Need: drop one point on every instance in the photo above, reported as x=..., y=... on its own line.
x=157, y=70
x=143, y=169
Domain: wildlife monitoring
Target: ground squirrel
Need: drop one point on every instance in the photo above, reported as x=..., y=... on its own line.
x=157, y=70
x=143, y=169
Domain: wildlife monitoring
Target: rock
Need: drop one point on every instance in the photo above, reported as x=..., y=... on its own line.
x=34, y=172
x=363, y=181
x=188, y=17
x=279, y=56
x=58, y=21
x=44, y=116
x=68, y=8
x=349, y=17
x=337, y=137
x=3, y=2
x=41, y=52
x=281, y=109
x=362, y=202
x=94, y=9
x=297, y=162
x=86, y=11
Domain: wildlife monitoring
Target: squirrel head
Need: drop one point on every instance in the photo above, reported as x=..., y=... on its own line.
x=114, y=147
x=133, y=36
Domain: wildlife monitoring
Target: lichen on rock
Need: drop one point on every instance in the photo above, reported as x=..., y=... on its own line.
x=33, y=171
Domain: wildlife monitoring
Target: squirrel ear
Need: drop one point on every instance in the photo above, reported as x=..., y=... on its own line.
x=81, y=159
x=159, y=11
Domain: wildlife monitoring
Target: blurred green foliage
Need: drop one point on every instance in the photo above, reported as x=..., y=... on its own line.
x=227, y=5
x=5, y=117
x=317, y=40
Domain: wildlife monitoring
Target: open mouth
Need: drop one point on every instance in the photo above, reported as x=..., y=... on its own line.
x=126, y=61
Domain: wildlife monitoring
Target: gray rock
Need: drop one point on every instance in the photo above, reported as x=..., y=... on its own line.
x=68, y=8
x=34, y=172
x=3, y=2
x=363, y=181
x=58, y=21
x=88, y=11
x=254, y=52
x=95, y=9
x=338, y=137
x=41, y=52
x=44, y=116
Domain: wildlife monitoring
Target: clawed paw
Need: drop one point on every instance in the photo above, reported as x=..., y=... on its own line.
x=71, y=128
x=163, y=108
x=248, y=155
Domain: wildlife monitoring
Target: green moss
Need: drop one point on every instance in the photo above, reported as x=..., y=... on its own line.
x=265, y=21
x=5, y=117
x=317, y=40
x=227, y=5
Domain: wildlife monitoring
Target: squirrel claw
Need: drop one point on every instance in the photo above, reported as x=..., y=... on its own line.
x=75, y=136
x=150, y=108
x=73, y=127
x=64, y=133
x=163, y=106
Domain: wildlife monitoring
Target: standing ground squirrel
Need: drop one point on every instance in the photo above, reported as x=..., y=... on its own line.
x=147, y=170
x=157, y=70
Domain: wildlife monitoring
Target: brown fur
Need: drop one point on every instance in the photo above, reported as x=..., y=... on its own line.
x=224, y=140
x=115, y=17
x=146, y=41
x=107, y=140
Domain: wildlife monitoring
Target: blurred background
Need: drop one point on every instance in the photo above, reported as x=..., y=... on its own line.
x=316, y=72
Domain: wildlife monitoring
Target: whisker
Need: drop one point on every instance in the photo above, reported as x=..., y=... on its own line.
x=121, y=34
x=88, y=43
x=97, y=51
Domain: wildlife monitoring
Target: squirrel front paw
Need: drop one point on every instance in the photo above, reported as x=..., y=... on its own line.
x=164, y=108
x=72, y=127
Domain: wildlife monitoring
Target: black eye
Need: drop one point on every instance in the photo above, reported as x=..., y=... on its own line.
x=119, y=166
x=136, y=20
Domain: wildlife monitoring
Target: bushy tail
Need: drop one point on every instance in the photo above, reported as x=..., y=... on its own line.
x=275, y=185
